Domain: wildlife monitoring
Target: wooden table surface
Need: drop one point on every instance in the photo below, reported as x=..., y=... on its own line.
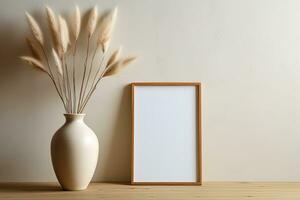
x=120, y=191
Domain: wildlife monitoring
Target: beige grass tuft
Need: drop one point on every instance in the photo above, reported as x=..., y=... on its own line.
x=34, y=63
x=75, y=23
x=35, y=29
x=114, y=57
x=33, y=49
x=128, y=61
x=57, y=62
x=64, y=33
x=92, y=21
x=54, y=29
x=106, y=28
x=118, y=66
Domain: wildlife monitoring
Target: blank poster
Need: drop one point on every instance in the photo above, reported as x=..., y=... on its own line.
x=165, y=134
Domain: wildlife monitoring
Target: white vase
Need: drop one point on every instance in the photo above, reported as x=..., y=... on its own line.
x=74, y=153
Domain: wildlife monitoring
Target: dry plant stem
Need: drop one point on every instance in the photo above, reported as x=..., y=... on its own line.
x=93, y=89
x=89, y=74
x=68, y=86
x=59, y=86
x=94, y=79
x=58, y=92
x=74, y=75
x=65, y=86
x=52, y=77
x=97, y=73
x=84, y=72
x=63, y=90
x=60, y=89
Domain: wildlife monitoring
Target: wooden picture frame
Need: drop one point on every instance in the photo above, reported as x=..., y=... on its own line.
x=198, y=139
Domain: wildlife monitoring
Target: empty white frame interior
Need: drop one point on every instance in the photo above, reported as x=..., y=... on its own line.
x=165, y=134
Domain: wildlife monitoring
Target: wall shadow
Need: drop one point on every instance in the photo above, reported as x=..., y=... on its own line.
x=24, y=92
x=10, y=79
x=117, y=165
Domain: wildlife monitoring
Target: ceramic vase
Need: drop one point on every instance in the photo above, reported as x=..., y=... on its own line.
x=74, y=153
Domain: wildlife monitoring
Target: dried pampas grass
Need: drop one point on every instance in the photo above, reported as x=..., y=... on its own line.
x=109, y=23
x=104, y=44
x=118, y=66
x=35, y=29
x=114, y=57
x=64, y=33
x=128, y=60
x=57, y=62
x=113, y=69
x=33, y=49
x=106, y=28
x=75, y=23
x=54, y=29
x=59, y=70
x=34, y=63
x=92, y=21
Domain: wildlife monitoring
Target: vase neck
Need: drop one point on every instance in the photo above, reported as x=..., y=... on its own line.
x=74, y=117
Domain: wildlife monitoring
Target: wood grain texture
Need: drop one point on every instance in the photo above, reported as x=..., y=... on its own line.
x=199, y=131
x=122, y=191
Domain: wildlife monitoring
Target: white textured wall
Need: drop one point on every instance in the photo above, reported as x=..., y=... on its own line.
x=245, y=52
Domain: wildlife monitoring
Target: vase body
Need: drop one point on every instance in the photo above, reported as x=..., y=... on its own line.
x=74, y=153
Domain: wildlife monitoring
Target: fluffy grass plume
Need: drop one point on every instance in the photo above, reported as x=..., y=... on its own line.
x=92, y=21
x=33, y=49
x=106, y=28
x=57, y=62
x=75, y=23
x=54, y=29
x=114, y=57
x=64, y=33
x=35, y=29
x=109, y=23
x=118, y=66
x=34, y=63
x=128, y=60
